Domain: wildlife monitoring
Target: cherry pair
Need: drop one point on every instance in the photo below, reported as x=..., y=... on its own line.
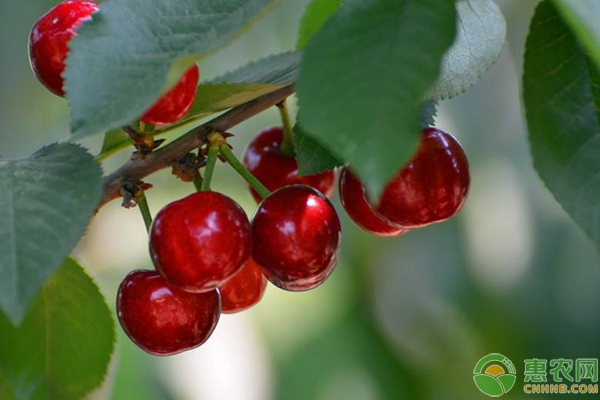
x=48, y=49
x=431, y=188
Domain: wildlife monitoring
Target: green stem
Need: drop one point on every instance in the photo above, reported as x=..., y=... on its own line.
x=287, y=145
x=142, y=203
x=198, y=181
x=240, y=169
x=211, y=160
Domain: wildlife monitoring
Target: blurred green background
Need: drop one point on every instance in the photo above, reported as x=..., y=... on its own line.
x=403, y=318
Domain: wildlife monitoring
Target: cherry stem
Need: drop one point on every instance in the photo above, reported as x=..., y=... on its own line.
x=211, y=161
x=287, y=145
x=142, y=203
x=198, y=181
x=243, y=171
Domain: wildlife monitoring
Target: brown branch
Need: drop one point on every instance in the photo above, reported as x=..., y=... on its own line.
x=140, y=166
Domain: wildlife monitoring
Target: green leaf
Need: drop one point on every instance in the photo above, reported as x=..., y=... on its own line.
x=62, y=349
x=119, y=61
x=312, y=157
x=6, y=391
x=363, y=76
x=315, y=16
x=246, y=84
x=114, y=141
x=481, y=33
x=46, y=201
x=349, y=360
x=562, y=100
x=583, y=16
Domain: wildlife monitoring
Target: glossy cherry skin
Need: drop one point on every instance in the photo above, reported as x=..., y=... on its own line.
x=244, y=290
x=296, y=233
x=49, y=38
x=175, y=103
x=275, y=170
x=432, y=187
x=200, y=241
x=354, y=200
x=163, y=319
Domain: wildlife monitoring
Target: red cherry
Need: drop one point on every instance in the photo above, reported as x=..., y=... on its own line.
x=296, y=233
x=243, y=290
x=352, y=195
x=199, y=242
x=49, y=37
x=275, y=170
x=176, y=102
x=432, y=187
x=163, y=319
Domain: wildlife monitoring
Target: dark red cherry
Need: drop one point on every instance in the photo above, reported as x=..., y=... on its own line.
x=432, y=187
x=275, y=170
x=244, y=290
x=163, y=319
x=199, y=242
x=353, y=197
x=176, y=102
x=296, y=233
x=49, y=37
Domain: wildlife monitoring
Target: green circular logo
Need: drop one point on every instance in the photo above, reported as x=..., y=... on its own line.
x=494, y=375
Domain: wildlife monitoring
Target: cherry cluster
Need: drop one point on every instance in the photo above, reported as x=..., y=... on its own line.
x=209, y=257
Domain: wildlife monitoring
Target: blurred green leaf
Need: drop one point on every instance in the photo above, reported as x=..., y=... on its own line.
x=62, y=349
x=562, y=99
x=363, y=76
x=312, y=157
x=46, y=202
x=348, y=361
x=119, y=61
x=6, y=391
x=481, y=33
x=114, y=140
x=246, y=84
x=315, y=16
x=583, y=16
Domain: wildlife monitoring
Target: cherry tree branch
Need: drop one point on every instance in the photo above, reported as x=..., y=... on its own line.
x=140, y=166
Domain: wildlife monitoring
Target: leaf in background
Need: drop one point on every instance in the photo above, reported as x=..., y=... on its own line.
x=6, y=391
x=349, y=360
x=119, y=61
x=583, y=17
x=246, y=84
x=481, y=33
x=114, y=140
x=562, y=99
x=363, y=76
x=46, y=202
x=315, y=16
x=312, y=157
x=62, y=349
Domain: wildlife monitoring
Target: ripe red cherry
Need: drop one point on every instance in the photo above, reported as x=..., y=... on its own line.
x=243, y=290
x=49, y=37
x=163, y=319
x=432, y=187
x=176, y=102
x=275, y=170
x=352, y=195
x=199, y=242
x=296, y=233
